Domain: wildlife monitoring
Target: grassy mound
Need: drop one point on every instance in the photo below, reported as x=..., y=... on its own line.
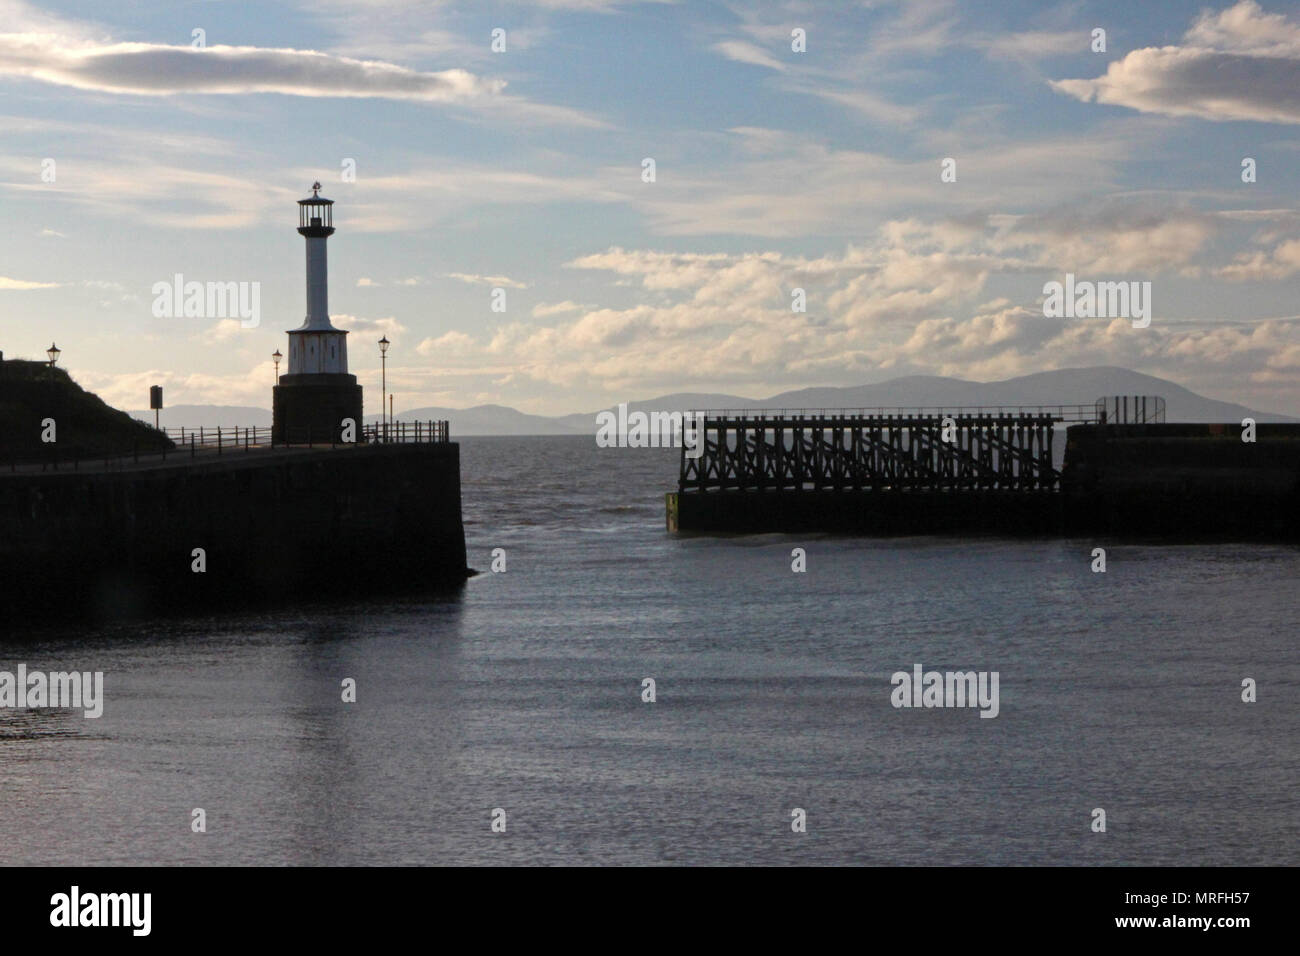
x=84, y=424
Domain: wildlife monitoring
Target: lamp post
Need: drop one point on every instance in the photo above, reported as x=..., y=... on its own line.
x=383, y=379
x=53, y=352
x=275, y=357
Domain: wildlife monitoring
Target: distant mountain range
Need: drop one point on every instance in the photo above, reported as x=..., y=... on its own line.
x=208, y=416
x=1071, y=386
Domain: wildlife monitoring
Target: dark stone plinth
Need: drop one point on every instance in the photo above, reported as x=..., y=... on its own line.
x=311, y=408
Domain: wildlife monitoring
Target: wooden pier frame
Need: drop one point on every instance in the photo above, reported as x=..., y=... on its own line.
x=894, y=453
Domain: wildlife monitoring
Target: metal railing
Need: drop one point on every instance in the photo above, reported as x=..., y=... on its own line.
x=1130, y=410
x=375, y=433
x=207, y=442
x=405, y=432
x=1065, y=413
x=1116, y=409
x=221, y=437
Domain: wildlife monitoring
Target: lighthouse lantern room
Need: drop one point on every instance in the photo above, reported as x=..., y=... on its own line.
x=312, y=401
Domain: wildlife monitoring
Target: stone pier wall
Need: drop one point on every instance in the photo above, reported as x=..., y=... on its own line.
x=286, y=526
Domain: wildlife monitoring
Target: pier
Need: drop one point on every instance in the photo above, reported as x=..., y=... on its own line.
x=997, y=470
x=277, y=524
x=102, y=516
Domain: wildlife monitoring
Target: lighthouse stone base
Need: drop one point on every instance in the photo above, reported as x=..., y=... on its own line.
x=311, y=408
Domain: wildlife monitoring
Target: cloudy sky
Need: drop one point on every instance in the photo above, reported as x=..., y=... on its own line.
x=775, y=169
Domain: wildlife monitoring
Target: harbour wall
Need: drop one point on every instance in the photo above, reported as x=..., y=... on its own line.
x=289, y=526
x=1183, y=480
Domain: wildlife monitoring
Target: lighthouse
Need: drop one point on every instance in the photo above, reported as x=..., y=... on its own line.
x=312, y=401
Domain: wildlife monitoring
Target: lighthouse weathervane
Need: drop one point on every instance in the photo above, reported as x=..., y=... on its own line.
x=314, y=399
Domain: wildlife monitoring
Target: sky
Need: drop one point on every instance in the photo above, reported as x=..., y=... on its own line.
x=495, y=222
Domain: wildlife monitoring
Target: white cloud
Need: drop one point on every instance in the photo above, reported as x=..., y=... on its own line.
x=130, y=390
x=388, y=326
x=781, y=185
x=862, y=101
x=66, y=53
x=1280, y=263
x=158, y=70
x=1032, y=44
x=592, y=6
x=130, y=187
x=743, y=52
x=1245, y=28
x=221, y=332
x=471, y=279
x=546, y=309
x=1109, y=238
x=21, y=285
x=450, y=343
x=1242, y=64
x=911, y=300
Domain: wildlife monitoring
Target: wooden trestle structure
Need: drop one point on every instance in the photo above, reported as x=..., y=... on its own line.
x=873, y=453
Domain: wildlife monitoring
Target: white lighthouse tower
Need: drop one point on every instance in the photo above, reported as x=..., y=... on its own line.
x=312, y=401
x=316, y=346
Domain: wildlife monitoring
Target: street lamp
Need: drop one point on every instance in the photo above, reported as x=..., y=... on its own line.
x=275, y=357
x=383, y=379
x=53, y=352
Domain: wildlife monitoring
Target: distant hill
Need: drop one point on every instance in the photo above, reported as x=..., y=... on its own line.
x=489, y=420
x=208, y=416
x=1072, y=386
x=83, y=422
